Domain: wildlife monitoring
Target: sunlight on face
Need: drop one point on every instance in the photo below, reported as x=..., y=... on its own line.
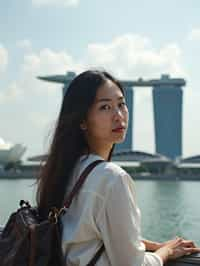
x=107, y=120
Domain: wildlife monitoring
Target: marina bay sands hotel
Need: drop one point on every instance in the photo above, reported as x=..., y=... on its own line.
x=167, y=108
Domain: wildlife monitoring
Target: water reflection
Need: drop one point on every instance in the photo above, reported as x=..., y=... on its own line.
x=11, y=192
x=169, y=209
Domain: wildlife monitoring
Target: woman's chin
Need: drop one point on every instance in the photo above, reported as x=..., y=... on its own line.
x=120, y=139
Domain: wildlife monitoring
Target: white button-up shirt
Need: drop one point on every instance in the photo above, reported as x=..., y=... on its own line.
x=104, y=211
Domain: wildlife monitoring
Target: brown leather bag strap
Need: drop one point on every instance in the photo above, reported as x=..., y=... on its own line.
x=93, y=261
x=80, y=182
x=74, y=191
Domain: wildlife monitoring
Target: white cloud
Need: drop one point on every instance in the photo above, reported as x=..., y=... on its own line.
x=46, y=62
x=194, y=35
x=129, y=56
x=31, y=105
x=3, y=58
x=49, y=62
x=134, y=56
x=11, y=94
x=58, y=3
x=24, y=44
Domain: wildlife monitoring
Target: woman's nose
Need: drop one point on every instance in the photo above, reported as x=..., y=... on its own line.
x=118, y=113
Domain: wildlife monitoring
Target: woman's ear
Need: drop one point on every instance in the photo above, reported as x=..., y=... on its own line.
x=83, y=125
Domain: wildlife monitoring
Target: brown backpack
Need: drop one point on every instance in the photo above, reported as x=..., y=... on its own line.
x=28, y=240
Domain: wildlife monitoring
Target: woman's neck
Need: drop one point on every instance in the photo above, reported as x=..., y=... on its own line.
x=104, y=153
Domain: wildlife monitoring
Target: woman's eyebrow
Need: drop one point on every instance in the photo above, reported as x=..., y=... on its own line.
x=109, y=99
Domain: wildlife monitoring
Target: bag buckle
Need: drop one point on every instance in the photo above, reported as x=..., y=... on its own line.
x=24, y=203
x=55, y=213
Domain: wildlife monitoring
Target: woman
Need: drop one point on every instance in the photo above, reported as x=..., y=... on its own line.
x=94, y=117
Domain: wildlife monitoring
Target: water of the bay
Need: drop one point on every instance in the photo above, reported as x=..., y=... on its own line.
x=169, y=208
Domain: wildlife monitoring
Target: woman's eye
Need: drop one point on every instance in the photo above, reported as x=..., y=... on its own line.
x=122, y=104
x=105, y=107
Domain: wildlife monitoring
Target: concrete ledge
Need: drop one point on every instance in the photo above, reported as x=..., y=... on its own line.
x=190, y=260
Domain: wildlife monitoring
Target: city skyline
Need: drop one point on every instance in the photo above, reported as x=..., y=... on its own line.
x=130, y=39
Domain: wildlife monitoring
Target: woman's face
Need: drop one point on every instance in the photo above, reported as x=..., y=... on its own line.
x=107, y=119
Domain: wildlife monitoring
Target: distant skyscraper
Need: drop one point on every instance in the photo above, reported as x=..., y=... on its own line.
x=167, y=102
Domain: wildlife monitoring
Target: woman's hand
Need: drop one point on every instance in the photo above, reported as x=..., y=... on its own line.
x=152, y=245
x=176, y=248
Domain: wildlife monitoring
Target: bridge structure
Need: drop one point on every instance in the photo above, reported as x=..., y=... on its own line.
x=167, y=109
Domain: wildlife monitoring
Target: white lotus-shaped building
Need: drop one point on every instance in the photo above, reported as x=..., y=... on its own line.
x=10, y=153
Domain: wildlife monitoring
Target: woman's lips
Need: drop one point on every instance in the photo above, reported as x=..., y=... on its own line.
x=119, y=129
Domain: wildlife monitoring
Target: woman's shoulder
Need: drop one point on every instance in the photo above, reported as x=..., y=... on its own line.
x=113, y=169
x=117, y=175
x=105, y=166
x=113, y=182
x=110, y=172
x=106, y=171
x=107, y=176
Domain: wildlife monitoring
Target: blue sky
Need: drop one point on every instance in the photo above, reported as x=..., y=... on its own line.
x=130, y=38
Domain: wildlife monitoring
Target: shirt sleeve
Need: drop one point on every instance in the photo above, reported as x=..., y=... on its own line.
x=119, y=223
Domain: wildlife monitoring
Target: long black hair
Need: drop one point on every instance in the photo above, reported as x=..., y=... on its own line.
x=68, y=142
